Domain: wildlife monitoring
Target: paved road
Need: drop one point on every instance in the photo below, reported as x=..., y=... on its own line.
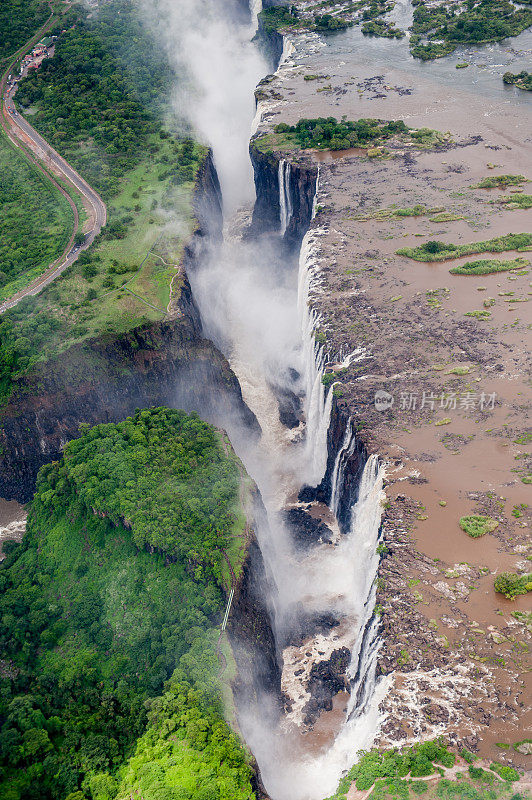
x=37, y=149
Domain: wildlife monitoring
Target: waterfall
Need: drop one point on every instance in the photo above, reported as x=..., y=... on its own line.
x=288, y=50
x=255, y=8
x=363, y=540
x=285, y=194
x=344, y=453
x=318, y=403
x=315, y=200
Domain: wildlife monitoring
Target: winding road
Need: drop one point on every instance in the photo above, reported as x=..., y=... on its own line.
x=37, y=150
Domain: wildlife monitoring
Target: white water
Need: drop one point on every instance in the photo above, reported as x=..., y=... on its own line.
x=343, y=576
x=256, y=8
x=285, y=194
x=346, y=450
x=259, y=311
x=318, y=401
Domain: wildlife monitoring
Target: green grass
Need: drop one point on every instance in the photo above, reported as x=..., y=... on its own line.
x=119, y=283
x=147, y=177
x=478, y=525
x=489, y=266
x=441, y=251
x=500, y=182
x=515, y=201
x=446, y=216
x=36, y=221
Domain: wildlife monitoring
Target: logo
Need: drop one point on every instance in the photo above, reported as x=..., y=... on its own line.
x=383, y=400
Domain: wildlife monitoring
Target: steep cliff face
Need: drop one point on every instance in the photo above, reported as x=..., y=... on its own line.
x=301, y=186
x=353, y=461
x=250, y=627
x=105, y=379
x=270, y=43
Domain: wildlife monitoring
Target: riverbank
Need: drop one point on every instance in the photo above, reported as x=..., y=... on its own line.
x=456, y=651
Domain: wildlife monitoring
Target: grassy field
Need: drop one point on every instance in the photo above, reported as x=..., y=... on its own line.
x=124, y=279
x=36, y=221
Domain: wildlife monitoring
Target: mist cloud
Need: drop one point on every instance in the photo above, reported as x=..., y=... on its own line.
x=217, y=68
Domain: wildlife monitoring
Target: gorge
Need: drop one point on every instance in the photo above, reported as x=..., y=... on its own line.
x=312, y=317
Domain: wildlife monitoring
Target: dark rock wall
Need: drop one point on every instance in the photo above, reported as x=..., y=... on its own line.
x=250, y=629
x=266, y=214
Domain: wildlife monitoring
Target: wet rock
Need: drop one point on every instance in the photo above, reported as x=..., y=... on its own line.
x=327, y=678
x=290, y=410
x=305, y=530
x=306, y=625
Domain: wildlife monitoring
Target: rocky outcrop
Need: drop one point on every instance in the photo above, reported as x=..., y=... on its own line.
x=306, y=531
x=267, y=211
x=327, y=678
x=207, y=201
x=270, y=43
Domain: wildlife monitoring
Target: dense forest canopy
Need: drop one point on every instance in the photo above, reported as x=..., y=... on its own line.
x=102, y=88
x=93, y=621
x=19, y=20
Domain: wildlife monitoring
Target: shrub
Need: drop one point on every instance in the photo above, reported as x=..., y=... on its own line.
x=477, y=525
x=489, y=266
x=506, y=773
x=499, y=181
x=510, y=584
x=437, y=247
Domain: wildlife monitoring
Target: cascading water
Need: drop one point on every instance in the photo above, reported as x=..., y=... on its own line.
x=259, y=311
x=285, y=194
x=318, y=402
x=342, y=457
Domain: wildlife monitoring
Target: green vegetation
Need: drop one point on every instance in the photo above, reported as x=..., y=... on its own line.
x=488, y=266
x=443, y=251
x=329, y=134
x=116, y=587
x=510, y=584
x=478, y=525
x=446, y=25
x=19, y=20
x=97, y=101
x=445, y=216
x=382, y=28
x=35, y=224
x=515, y=201
x=507, y=773
x=282, y=17
x=188, y=751
x=500, y=182
x=392, y=774
x=523, y=80
x=393, y=766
